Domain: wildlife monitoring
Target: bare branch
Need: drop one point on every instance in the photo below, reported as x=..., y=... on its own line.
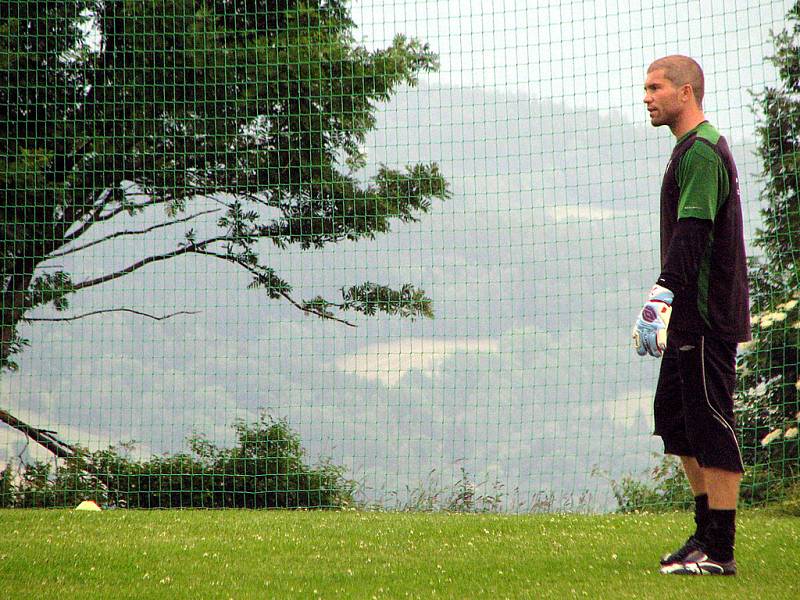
x=70, y=216
x=121, y=209
x=146, y=261
x=98, y=218
x=88, y=221
x=43, y=437
x=108, y=310
x=196, y=248
x=131, y=232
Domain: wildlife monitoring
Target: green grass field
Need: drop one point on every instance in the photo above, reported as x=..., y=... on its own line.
x=272, y=554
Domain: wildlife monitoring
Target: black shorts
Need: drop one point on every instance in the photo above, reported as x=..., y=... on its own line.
x=694, y=401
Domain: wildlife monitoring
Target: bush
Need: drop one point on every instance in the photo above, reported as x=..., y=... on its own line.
x=668, y=489
x=266, y=469
x=790, y=505
x=768, y=399
x=665, y=489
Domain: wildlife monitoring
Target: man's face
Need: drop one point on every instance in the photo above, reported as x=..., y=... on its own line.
x=663, y=99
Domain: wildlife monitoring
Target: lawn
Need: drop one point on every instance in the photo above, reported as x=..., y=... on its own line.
x=273, y=554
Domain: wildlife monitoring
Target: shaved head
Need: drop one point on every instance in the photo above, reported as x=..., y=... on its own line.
x=682, y=70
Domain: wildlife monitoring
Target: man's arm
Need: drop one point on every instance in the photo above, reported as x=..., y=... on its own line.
x=701, y=176
x=680, y=274
x=682, y=265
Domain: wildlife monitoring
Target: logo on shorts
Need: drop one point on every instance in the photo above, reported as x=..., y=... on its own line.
x=649, y=314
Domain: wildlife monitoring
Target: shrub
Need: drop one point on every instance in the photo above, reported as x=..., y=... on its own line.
x=665, y=489
x=668, y=489
x=265, y=469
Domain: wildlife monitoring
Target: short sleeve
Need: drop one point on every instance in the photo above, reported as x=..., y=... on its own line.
x=699, y=181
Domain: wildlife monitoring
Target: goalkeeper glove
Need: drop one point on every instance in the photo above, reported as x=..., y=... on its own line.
x=650, y=331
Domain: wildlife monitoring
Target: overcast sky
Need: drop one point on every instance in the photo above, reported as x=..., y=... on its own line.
x=589, y=53
x=536, y=265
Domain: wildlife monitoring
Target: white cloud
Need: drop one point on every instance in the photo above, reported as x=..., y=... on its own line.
x=389, y=362
x=582, y=214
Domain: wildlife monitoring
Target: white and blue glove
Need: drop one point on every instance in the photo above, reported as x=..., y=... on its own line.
x=650, y=331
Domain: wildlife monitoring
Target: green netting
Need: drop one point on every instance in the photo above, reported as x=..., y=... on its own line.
x=322, y=253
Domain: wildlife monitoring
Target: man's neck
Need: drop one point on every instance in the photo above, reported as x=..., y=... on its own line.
x=687, y=123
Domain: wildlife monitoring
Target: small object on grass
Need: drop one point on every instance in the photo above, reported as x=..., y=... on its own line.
x=90, y=505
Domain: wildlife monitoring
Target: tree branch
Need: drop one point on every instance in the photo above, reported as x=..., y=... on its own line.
x=50, y=441
x=314, y=312
x=43, y=437
x=286, y=296
x=146, y=261
x=131, y=232
x=108, y=310
x=98, y=218
x=256, y=199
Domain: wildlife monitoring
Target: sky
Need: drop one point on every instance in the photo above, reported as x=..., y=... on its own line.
x=537, y=266
x=588, y=53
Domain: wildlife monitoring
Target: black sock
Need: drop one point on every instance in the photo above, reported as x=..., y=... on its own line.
x=701, y=516
x=721, y=535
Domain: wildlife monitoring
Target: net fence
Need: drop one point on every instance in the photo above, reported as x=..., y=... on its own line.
x=380, y=253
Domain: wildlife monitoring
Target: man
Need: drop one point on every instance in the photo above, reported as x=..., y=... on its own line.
x=696, y=314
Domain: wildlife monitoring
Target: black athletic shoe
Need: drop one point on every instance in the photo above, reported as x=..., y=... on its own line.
x=698, y=563
x=681, y=553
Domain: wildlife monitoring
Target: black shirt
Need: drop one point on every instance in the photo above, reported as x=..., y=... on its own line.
x=702, y=238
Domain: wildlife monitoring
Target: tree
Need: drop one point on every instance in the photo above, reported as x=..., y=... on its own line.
x=768, y=402
x=110, y=107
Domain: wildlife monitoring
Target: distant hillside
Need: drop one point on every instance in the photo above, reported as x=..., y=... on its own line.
x=536, y=266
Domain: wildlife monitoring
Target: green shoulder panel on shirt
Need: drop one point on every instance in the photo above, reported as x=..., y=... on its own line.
x=708, y=132
x=702, y=179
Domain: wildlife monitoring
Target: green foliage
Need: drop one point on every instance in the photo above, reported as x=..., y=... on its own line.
x=768, y=398
x=7, y=487
x=369, y=298
x=52, y=288
x=463, y=496
x=763, y=485
x=264, y=104
x=664, y=488
x=266, y=469
x=779, y=148
x=790, y=505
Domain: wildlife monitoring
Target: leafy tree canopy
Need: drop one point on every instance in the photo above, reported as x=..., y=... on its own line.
x=115, y=106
